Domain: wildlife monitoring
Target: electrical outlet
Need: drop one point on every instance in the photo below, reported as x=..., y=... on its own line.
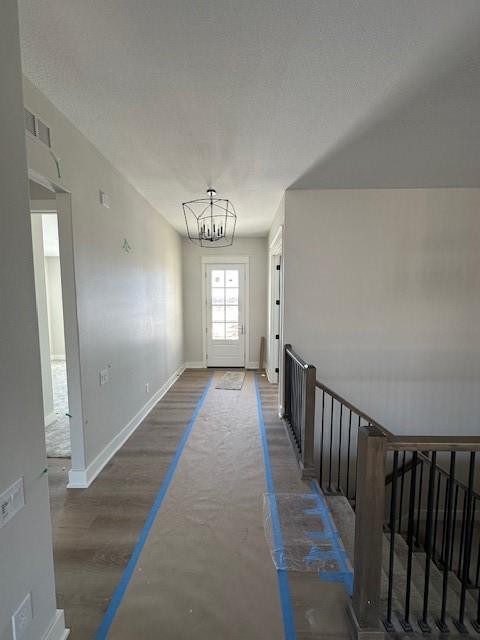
x=147, y=388
x=22, y=618
x=104, y=376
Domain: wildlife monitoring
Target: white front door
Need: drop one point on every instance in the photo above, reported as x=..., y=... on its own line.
x=225, y=330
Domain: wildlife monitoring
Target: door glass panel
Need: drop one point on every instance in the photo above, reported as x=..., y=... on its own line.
x=232, y=278
x=218, y=314
x=231, y=331
x=231, y=313
x=218, y=278
x=218, y=331
x=218, y=296
x=231, y=296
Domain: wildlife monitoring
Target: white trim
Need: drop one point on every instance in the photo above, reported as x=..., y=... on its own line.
x=57, y=356
x=206, y=260
x=56, y=630
x=277, y=241
x=194, y=365
x=83, y=478
x=50, y=419
x=225, y=259
x=254, y=364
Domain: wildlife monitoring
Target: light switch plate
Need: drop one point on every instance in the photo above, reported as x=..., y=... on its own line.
x=104, y=376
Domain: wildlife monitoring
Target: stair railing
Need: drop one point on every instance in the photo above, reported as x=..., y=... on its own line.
x=398, y=487
x=299, y=408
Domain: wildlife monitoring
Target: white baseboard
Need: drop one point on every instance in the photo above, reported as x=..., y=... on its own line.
x=50, y=419
x=57, y=630
x=194, y=365
x=83, y=478
x=57, y=356
x=252, y=364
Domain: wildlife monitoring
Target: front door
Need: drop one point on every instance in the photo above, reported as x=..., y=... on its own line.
x=225, y=331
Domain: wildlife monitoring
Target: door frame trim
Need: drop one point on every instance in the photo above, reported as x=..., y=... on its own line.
x=63, y=209
x=245, y=260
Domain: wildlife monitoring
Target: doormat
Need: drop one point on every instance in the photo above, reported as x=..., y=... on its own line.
x=231, y=380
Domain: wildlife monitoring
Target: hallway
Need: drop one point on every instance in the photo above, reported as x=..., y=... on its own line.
x=201, y=566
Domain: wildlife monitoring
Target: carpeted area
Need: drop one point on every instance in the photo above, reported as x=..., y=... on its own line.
x=57, y=434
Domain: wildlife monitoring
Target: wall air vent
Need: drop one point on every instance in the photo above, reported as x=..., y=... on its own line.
x=43, y=132
x=30, y=122
x=37, y=128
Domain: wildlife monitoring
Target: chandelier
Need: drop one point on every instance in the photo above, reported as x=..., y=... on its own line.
x=210, y=221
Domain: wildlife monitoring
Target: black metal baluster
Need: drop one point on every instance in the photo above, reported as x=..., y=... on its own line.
x=444, y=530
x=348, y=452
x=405, y=622
x=331, y=445
x=339, y=468
x=419, y=504
x=435, y=529
x=463, y=534
x=455, y=505
x=423, y=622
x=460, y=623
x=441, y=622
x=321, y=443
x=401, y=493
x=391, y=561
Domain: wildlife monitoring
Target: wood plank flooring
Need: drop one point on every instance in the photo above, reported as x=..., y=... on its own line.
x=95, y=530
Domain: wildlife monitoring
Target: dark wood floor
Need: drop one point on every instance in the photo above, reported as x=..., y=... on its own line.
x=95, y=529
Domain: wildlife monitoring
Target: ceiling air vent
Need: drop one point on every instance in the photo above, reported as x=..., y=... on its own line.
x=37, y=128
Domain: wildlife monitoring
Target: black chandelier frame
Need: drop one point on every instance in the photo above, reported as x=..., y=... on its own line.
x=210, y=221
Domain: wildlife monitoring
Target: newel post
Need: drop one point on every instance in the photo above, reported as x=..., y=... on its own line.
x=365, y=610
x=308, y=432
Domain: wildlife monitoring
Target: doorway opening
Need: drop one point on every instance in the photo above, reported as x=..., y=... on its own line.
x=48, y=291
x=52, y=243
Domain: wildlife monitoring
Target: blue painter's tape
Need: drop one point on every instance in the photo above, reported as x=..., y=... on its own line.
x=345, y=573
x=127, y=574
x=282, y=574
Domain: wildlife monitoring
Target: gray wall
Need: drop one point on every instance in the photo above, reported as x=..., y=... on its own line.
x=256, y=248
x=55, y=307
x=129, y=303
x=25, y=542
x=382, y=295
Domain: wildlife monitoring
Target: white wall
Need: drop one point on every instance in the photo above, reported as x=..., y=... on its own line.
x=41, y=298
x=26, y=563
x=382, y=295
x=129, y=303
x=55, y=307
x=256, y=249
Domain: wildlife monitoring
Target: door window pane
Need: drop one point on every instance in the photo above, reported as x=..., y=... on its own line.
x=218, y=331
x=231, y=313
x=231, y=331
x=232, y=278
x=218, y=296
x=218, y=314
x=231, y=296
x=218, y=278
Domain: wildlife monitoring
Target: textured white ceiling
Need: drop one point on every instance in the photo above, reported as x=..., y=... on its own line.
x=254, y=96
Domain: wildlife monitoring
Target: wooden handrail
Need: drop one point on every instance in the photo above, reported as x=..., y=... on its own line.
x=352, y=407
x=433, y=443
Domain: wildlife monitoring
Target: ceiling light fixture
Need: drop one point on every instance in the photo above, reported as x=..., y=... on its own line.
x=210, y=221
